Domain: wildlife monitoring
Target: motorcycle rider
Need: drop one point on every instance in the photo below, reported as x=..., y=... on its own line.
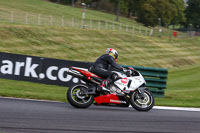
x=102, y=65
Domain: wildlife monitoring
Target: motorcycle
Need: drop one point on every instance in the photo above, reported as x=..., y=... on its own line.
x=127, y=90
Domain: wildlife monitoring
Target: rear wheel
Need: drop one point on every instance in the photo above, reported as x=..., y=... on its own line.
x=76, y=97
x=142, y=104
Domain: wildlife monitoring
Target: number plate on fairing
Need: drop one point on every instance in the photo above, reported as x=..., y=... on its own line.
x=130, y=83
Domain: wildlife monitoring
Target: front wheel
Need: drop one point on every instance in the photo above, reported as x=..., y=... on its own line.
x=142, y=104
x=76, y=97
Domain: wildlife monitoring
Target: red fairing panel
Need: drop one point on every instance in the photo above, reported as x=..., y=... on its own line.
x=130, y=68
x=124, y=80
x=110, y=98
x=86, y=73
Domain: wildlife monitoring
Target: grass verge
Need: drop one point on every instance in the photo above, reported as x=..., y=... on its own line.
x=21, y=89
x=181, y=56
x=183, y=88
x=181, y=91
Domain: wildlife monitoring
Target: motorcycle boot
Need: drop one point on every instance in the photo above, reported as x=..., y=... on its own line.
x=105, y=85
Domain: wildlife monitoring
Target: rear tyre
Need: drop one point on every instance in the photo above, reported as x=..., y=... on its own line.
x=140, y=104
x=77, y=99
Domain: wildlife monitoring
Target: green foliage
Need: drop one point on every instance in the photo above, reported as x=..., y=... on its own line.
x=123, y=6
x=193, y=12
x=61, y=1
x=46, y=9
x=169, y=11
x=146, y=11
x=147, y=15
x=179, y=16
x=65, y=2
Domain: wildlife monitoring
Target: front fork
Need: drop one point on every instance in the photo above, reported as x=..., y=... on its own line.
x=141, y=92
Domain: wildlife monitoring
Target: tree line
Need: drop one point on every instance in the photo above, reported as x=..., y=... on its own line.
x=149, y=12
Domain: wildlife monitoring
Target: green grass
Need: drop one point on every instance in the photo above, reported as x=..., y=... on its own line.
x=28, y=11
x=87, y=45
x=180, y=56
x=20, y=89
x=31, y=9
x=183, y=88
x=48, y=8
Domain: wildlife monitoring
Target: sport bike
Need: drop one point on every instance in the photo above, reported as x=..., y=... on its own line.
x=128, y=89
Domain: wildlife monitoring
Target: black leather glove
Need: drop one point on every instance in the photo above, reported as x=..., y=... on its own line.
x=125, y=70
x=129, y=72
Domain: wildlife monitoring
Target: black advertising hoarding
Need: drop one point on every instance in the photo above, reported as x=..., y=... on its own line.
x=38, y=69
x=54, y=71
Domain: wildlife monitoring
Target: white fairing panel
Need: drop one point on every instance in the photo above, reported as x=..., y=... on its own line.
x=136, y=82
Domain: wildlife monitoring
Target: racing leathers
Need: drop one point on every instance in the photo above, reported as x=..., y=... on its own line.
x=101, y=67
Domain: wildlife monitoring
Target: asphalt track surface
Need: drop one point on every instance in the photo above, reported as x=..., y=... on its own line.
x=22, y=116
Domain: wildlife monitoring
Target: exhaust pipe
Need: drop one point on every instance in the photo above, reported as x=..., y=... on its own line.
x=78, y=75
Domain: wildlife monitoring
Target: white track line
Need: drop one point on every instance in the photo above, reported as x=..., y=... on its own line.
x=155, y=107
x=28, y=99
x=176, y=108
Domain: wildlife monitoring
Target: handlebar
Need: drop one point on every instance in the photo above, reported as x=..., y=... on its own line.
x=130, y=71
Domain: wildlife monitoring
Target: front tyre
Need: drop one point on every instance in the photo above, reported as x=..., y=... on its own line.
x=142, y=104
x=76, y=97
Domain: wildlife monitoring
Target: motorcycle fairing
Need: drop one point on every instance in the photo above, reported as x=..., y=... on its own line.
x=86, y=73
x=110, y=99
x=130, y=83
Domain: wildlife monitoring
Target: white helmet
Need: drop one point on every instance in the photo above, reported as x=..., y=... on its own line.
x=112, y=52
